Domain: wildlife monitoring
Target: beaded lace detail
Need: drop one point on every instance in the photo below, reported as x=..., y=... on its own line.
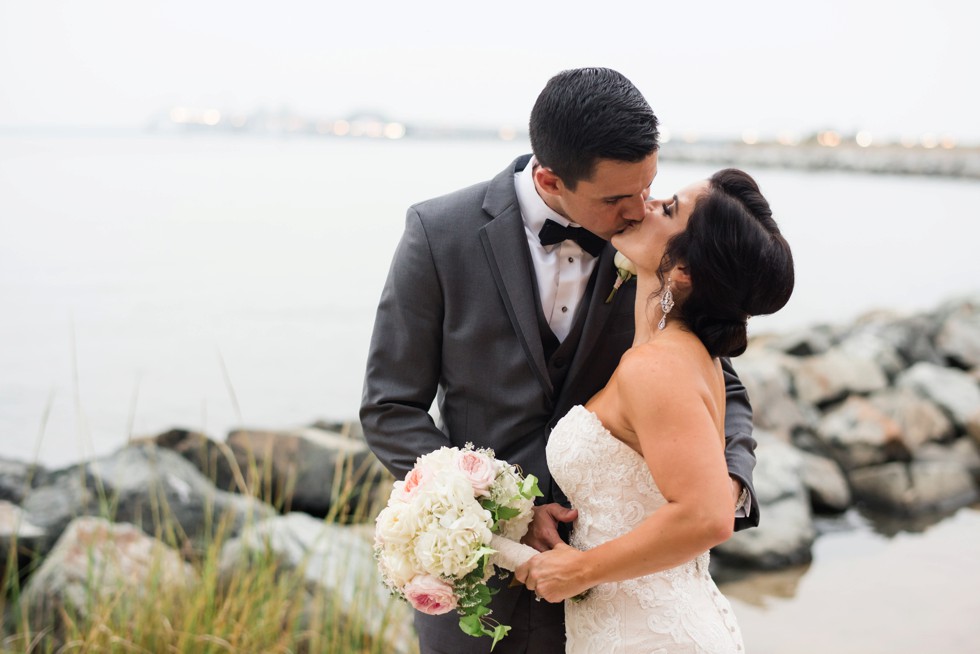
x=677, y=611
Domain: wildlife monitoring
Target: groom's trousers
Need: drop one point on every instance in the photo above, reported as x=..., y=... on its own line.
x=540, y=630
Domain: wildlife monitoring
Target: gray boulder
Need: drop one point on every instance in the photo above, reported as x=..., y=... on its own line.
x=834, y=375
x=963, y=452
x=349, y=429
x=337, y=563
x=913, y=489
x=858, y=434
x=68, y=494
x=17, y=478
x=959, y=338
x=786, y=532
x=150, y=487
x=94, y=563
x=215, y=460
x=826, y=483
x=954, y=391
x=802, y=342
x=912, y=337
x=311, y=470
x=870, y=345
x=20, y=539
x=147, y=482
x=919, y=419
x=768, y=378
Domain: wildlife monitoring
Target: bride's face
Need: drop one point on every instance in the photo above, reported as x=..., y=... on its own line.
x=644, y=242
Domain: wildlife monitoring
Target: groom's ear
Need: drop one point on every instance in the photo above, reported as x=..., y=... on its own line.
x=547, y=181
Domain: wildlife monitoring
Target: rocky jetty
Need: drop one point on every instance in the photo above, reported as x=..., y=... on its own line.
x=882, y=414
x=888, y=159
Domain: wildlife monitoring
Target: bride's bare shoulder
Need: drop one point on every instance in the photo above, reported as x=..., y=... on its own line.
x=657, y=364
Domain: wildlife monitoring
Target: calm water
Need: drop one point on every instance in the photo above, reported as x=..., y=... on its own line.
x=150, y=282
x=868, y=592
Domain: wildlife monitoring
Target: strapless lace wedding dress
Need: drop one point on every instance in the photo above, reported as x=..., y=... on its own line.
x=677, y=611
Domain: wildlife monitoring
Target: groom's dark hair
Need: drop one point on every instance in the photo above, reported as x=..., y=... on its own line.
x=587, y=114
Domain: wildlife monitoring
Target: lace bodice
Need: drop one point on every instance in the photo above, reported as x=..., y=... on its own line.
x=675, y=611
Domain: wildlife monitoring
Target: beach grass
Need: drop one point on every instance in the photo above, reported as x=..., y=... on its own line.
x=265, y=605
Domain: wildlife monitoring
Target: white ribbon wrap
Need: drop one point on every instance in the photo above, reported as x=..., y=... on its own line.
x=510, y=555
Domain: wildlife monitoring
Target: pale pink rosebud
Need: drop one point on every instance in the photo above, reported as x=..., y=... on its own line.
x=430, y=595
x=479, y=470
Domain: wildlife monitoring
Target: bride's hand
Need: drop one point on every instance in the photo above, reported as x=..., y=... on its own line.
x=555, y=575
x=542, y=533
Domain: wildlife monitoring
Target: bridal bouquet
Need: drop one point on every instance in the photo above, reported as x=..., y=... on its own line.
x=457, y=514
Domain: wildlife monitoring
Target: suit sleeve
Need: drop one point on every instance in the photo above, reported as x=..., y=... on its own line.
x=404, y=360
x=739, y=443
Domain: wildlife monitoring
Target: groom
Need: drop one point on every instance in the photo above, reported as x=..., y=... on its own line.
x=495, y=304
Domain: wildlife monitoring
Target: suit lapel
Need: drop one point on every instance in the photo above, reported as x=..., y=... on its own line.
x=506, y=248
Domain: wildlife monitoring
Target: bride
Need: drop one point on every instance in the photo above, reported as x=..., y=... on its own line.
x=643, y=461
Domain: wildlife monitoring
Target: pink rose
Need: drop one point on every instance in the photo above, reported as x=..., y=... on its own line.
x=430, y=595
x=479, y=471
x=414, y=480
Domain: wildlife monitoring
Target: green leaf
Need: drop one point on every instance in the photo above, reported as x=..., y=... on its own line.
x=483, y=594
x=498, y=634
x=471, y=625
x=529, y=487
x=506, y=513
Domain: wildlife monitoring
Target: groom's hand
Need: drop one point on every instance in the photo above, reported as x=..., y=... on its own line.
x=542, y=534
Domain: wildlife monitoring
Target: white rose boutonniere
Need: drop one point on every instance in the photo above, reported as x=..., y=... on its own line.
x=625, y=271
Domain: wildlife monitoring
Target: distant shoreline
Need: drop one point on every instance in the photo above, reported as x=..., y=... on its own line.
x=960, y=162
x=934, y=160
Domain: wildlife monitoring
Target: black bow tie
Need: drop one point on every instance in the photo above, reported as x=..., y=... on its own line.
x=553, y=233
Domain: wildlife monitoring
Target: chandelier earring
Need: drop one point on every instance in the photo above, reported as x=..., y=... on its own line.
x=666, y=304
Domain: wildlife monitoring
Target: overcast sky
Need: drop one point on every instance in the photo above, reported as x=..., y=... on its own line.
x=894, y=68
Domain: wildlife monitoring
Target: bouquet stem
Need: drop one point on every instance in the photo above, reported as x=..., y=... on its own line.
x=510, y=555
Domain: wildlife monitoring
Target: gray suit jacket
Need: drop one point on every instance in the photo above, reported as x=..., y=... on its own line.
x=457, y=322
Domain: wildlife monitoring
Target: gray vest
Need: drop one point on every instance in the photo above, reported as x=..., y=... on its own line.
x=559, y=354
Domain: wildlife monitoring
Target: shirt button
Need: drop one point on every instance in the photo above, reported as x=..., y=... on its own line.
x=564, y=309
x=571, y=260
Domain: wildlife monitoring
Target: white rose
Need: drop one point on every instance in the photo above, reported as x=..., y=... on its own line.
x=506, y=487
x=397, y=567
x=625, y=270
x=439, y=460
x=623, y=263
x=396, y=523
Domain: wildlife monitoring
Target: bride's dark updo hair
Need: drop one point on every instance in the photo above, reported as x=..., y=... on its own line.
x=740, y=265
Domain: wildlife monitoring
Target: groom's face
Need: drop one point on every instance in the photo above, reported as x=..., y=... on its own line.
x=609, y=200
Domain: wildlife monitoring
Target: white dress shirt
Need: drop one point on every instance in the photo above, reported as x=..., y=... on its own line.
x=562, y=270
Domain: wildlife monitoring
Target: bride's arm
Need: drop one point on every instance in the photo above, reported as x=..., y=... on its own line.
x=663, y=400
